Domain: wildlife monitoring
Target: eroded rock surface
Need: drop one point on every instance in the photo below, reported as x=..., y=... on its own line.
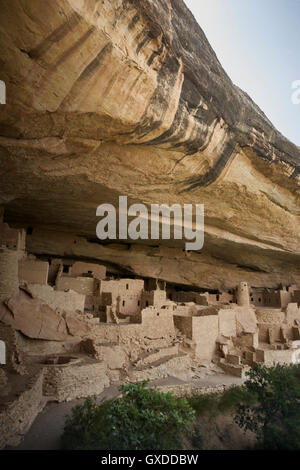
x=126, y=97
x=35, y=319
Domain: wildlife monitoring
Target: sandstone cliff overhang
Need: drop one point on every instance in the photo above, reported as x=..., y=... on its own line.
x=127, y=97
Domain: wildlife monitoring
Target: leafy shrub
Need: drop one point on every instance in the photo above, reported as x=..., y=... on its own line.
x=235, y=396
x=275, y=416
x=142, y=419
x=214, y=403
x=207, y=403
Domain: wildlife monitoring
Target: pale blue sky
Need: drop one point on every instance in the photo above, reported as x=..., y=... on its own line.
x=258, y=44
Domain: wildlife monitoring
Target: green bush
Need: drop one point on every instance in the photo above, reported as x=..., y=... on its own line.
x=235, y=396
x=275, y=416
x=205, y=404
x=215, y=403
x=142, y=419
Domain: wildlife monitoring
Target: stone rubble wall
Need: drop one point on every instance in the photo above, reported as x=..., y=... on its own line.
x=67, y=382
x=178, y=366
x=17, y=416
x=191, y=390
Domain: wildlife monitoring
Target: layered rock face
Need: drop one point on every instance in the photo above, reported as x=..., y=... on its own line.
x=126, y=97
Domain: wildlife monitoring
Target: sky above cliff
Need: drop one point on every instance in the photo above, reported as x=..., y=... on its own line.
x=258, y=45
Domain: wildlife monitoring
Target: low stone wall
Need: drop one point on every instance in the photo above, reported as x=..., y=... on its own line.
x=265, y=315
x=17, y=416
x=271, y=357
x=135, y=338
x=178, y=366
x=66, y=382
x=191, y=390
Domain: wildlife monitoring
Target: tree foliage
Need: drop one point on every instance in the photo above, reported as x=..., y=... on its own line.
x=275, y=415
x=142, y=419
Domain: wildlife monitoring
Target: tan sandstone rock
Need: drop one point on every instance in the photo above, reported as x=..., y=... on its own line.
x=33, y=318
x=126, y=97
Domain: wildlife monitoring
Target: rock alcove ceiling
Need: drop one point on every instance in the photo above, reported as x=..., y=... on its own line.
x=109, y=98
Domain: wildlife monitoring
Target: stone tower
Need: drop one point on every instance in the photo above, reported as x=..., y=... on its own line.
x=243, y=296
x=12, y=245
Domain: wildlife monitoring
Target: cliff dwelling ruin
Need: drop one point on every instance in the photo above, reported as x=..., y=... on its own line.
x=105, y=99
x=71, y=328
